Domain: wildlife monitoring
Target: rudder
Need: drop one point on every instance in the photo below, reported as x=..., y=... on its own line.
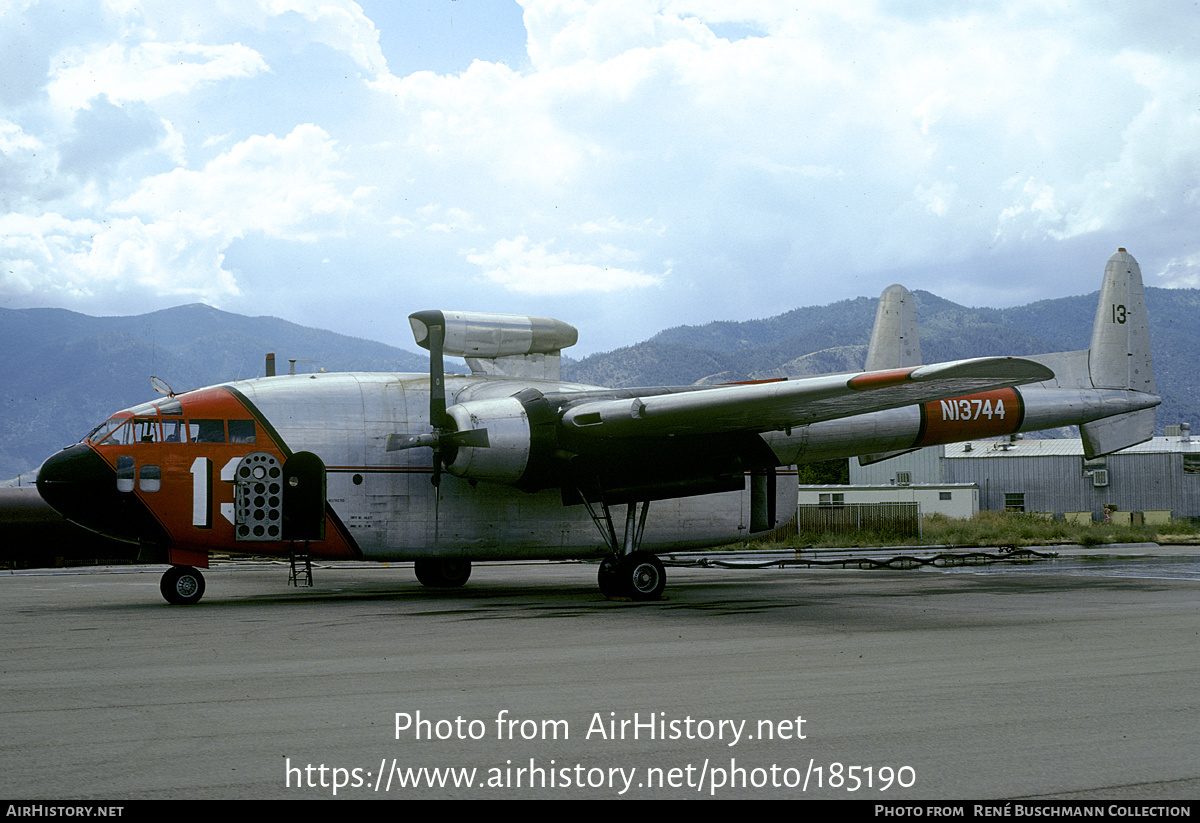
x=895, y=343
x=1119, y=356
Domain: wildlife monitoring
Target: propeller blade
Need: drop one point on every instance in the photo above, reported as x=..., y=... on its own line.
x=471, y=438
x=437, y=376
x=397, y=442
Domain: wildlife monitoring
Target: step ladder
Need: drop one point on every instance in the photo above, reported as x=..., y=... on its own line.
x=301, y=564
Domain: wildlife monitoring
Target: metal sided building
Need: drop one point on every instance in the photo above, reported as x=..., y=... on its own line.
x=1156, y=479
x=959, y=501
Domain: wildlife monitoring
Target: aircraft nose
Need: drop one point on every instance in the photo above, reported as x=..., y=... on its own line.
x=83, y=488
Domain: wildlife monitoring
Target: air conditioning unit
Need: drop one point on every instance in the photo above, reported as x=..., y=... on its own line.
x=1100, y=478
x=903, y=478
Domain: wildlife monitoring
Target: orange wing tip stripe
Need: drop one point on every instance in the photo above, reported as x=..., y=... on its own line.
x=879, y=379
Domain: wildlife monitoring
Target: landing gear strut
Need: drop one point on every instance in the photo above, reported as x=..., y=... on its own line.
x=182, y=585
x=443, y=574
x=628, y=571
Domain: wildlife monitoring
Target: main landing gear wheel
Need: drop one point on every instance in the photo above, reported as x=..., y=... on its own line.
x=609, y=578
x=443, y=574
x=638, y=576
x=182, y=585
x=644, y=574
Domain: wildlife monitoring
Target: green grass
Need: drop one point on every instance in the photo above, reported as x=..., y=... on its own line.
x=999, y=529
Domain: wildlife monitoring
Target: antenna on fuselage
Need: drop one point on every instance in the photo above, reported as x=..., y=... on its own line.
x=292, y=361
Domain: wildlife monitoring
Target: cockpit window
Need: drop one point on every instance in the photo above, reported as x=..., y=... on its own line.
x=145, y=430
x=171, y=408
x=144, y=410
x=105, y=429
x=206, y=431
x=125, y=467
x=119, y=435
x=174, y=431
x=241, y=431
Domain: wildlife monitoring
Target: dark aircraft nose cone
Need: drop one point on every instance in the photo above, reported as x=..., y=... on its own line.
x=83, y=489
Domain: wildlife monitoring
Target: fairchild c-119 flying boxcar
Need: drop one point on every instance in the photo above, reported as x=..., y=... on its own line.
x=524, y=466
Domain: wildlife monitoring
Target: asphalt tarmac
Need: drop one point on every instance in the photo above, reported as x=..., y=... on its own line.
x=1043, y=681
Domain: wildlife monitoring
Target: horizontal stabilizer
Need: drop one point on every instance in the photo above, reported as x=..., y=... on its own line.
x=879, y=457
x=1112, y=434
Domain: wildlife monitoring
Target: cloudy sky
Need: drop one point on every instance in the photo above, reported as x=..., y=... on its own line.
x=624, y=165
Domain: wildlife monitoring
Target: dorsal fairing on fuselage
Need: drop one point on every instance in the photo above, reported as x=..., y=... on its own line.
x=499, y=345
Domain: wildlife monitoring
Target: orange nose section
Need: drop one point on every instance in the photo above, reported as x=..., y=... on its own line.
x=83, y=489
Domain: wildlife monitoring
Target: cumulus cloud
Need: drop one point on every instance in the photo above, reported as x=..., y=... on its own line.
x=146, y=72
x=707, y=155
x=340, y=25
x=169, y=236
x=521, y=265
x=286, y=187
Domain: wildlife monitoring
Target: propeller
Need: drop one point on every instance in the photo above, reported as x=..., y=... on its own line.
x=445, y=438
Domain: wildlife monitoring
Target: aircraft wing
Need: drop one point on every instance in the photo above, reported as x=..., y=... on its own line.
x=780, y=405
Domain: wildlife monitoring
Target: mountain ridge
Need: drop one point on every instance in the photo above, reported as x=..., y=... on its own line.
x=75, y=369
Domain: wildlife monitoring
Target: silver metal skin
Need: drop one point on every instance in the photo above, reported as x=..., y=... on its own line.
x=535, y=468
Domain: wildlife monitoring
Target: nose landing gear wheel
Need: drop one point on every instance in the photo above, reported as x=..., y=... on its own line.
x=182, y=585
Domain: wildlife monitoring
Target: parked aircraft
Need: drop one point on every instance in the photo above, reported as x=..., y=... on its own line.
x=510, y=462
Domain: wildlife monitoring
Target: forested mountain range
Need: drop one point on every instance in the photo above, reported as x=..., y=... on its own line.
x=65, y=372
x=823, y=339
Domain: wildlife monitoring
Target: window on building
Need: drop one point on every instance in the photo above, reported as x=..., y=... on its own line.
x=1090, y=466
x=944, y=495
x=831, y=500
x=1191, y=464
x=1014, y=501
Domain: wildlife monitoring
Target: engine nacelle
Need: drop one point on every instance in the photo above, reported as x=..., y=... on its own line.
x=520, y=440
x=475, y=334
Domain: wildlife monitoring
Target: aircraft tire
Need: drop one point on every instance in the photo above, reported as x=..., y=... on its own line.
x=443, y=574
x=609, y=578
x=182, y=585
x=644, y=574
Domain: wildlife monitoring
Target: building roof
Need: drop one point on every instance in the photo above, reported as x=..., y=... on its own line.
x=892, y=485
x=1066, y=446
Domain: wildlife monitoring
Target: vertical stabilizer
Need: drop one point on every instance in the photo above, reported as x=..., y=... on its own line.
x=1119, y=357
x=895, y=344
x=894, y=340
